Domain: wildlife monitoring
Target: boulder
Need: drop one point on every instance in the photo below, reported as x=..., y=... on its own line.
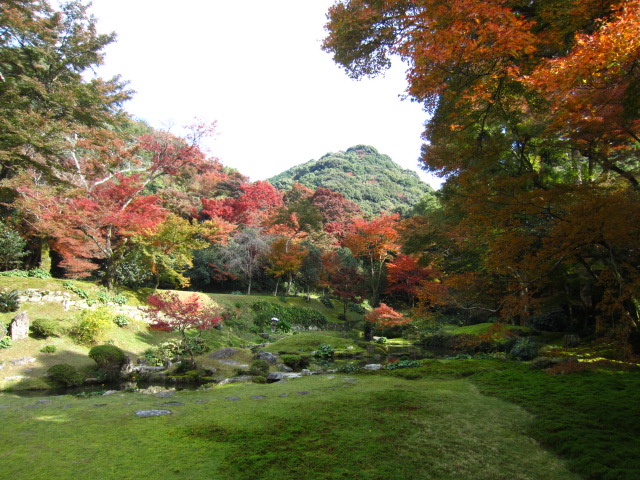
x=277, y=376
x=373, y=366
x=223, y=353
x=270, y=358
x=20, y=326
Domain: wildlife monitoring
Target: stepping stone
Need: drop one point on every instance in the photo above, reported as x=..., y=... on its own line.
x=283, y=395
x=233, y=399
x=152, y=413
x=170, y=404
x=258, y=397
x=302, y=393
x=99, y=405
x=201, y=401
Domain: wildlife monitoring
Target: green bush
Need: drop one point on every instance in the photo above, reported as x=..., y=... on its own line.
x=326, y=301
x=354, y=307
x=49, y=349
x=45, y=327
x=91, y=325
x=259, y=379
x=404, y=362
x=64, y=375
x=81, y=292
x=5, y=342
x=121, y=320
x=324, y=352
x=294, y=361
x=259, y=368
x=109, y=359
x=292, y=316
x=38, y=273
x=524, y=348
x=9, y=301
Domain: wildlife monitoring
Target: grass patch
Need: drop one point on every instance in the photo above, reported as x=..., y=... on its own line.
x=339, y=427
x=478, y=329
x=588, y=417
x=307, y=342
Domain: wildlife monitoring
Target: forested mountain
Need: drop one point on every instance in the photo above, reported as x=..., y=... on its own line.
x=363, y=175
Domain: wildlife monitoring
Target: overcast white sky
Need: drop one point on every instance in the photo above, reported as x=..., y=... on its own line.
x=256, y=67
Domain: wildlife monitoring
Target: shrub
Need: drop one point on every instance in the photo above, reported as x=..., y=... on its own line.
x=44, y=327
x=91, y=325
x=39, y=273
x=9, y=301
x=292, y=316
x=109, y=359
x=294, y=361
x=119, y=299
x=324, y=352
x=81, y=292
x=259, y=379
x=524, y=348
x=326, y=301
x=354, y=307
x=49, y=349
x=5, y=342
x=259, y=368
x=64, y=375
x=121, y=320
x=404, y=362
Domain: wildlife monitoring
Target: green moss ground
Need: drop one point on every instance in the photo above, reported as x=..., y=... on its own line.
x=329, y=427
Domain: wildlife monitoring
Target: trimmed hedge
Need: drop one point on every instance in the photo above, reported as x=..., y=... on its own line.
x=295, y=316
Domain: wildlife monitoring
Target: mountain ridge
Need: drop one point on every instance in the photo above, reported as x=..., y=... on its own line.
x=362, y=174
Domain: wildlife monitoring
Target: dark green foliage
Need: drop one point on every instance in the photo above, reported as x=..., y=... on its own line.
x=168, y=351
x=324, y=352
x=292, y=316
x=404, y=362
x=9, y=301
x=524, y=348
x=363, y=175
x=259, y=379
x=49, y=349
x=259, y=367
x=326, y=301
x=354, y=307
x=121, y=320
x=587, y=417
x=294, y=361
x=64, y=375
x=12, y=247
x=45, y=327
x=109, y=359
x=81, y=292
x=5, y=342
x=34, y=273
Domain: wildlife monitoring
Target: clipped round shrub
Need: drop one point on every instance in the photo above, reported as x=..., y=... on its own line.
x=259, y=379
x=109, y=359
x=44, y=327
x=259, y=368
x=64, y=375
